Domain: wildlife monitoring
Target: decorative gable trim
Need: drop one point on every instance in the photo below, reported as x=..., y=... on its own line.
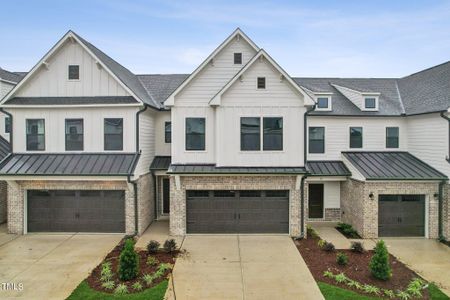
x=216, y=100
x=43, y=62
x=238, y=33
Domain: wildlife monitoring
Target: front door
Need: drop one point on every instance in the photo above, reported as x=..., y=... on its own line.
x=315, y=201
x=166, y=195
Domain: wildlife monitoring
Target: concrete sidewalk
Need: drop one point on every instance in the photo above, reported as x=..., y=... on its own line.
x=242, y=267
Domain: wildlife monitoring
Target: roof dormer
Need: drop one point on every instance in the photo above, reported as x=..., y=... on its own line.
x=364, y=100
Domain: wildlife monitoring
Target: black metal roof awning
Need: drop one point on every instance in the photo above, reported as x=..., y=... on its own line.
x=161, y=163
x=213, y=169
x=327, y=168
x=69, y=164
x=395, y=165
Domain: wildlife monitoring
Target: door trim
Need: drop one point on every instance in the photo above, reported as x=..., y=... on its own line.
x=323, y=200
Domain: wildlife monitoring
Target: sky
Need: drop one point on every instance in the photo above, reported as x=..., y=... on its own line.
x=307, y=38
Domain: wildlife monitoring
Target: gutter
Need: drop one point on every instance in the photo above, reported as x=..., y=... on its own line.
x=11, y=132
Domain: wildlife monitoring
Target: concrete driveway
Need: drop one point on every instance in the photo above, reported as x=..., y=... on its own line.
x=50, y=266
x=242, y=267
x=427, y=257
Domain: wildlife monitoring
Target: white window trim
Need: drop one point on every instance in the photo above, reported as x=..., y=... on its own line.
x=265, y=84
x=261, y=134
x=329, y=108
x=363, y=139
x=324, y=140
x=79, y=72
x=184, y=134
x=364, y=103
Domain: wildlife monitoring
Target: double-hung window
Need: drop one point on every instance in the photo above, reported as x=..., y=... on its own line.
x=392, y=137
x=271, y=135
x=113, y=130
x=195, y=134
x=74, y=135
x=168, y=132
x=356, y=137
x=8, y=125
x=316, y=140
x=35, y=134
x=250, y=134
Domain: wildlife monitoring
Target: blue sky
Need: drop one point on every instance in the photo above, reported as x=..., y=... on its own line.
x=307, y=38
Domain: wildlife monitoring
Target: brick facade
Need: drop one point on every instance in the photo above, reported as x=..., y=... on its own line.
x=332, y=214
x=362, y=212
x=3, y=200
x=178, y=196
x=446, y=213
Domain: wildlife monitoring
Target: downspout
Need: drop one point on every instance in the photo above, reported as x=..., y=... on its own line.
x=11, y=132
x=302, y=182
x=134, y=182
x=441, y=190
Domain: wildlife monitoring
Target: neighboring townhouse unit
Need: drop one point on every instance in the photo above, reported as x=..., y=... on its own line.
x=237, y=146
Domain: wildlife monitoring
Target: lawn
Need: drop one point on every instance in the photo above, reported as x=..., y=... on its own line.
x=84, y=292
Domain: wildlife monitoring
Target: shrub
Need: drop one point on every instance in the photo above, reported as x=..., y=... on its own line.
x=128, y=262
x=389, y=293
x=328, y=246
x=321, y=243
x=137, y=286
x=357, y=247
x=148, y=279
x=379, y=264
x=152, y=261
x=403, y=295
x=370, y=289
x=328, y=274
x=342, y=259
x=106, y=273
x=170, y=245
x=354, y=284
x=164, y=267
x=310, y=232
x=108, y=285
x=121, y=289
x=153, y=246
x=415, y=288
x=340, y=278
x=348, y=230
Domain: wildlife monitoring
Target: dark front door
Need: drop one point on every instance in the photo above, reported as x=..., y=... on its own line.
x=401, y=215
x=75, y=211
x=315, y=201
x=237, y=211
x=166, y=195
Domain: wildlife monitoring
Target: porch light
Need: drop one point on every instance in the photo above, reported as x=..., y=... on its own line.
x=436, y=195
x=371, y=196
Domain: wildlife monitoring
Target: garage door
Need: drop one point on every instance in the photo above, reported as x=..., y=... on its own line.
x=237, y=211
x=76, y=211
x=401, y=215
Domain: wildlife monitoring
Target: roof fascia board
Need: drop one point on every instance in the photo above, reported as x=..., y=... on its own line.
x=216, y=100
x=69, y=105
x=170, y=101
x=7, y=81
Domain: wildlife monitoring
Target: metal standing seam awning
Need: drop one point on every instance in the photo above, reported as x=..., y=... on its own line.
x=212, y=169
x=69, y=164
x=329, y=168
x=160, y=163
x=397, y=165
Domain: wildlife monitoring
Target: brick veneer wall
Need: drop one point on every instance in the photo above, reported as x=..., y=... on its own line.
x=3, y=200
x=446, y=213
x=178, y=196
x=362, y=212
x=146, y=202
x=17, y=189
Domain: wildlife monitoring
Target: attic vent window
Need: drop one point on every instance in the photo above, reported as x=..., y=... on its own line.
x=237, y=58
x=370, y=103
x=74, y=72
x=323, y=103
x=261, y=83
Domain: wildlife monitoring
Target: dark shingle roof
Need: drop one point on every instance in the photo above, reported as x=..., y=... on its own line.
x=212, y=169
x=427, y=90
x=72, y=100
x=5, y=148
x=14, y=77
x=161, y=163
x=160, y=86
x=392, y=166
x=327, y=168
x=65, y=164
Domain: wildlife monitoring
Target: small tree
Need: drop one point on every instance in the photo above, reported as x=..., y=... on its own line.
x=128, y=262
x=379, y=264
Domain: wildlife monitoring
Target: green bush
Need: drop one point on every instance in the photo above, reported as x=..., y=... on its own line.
x=342, y=259
x=128, y=262
x=152, y=261
x=137, y=286
x=328, y=246
x=357, y=247
x=106, y=273
x=310, y=232
x=153, y=246
x=379, y=264
x=348, y=230
x=109, y=285
x=170, y=245
x=321, y=243
x=121, y=289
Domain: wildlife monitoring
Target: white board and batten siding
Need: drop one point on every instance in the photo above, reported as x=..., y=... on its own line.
x=55, y=126
x=147, y=142
x=243, y=99
x=428, y=139
x=337, y=134
x=53, y=81
x=162, y=148
x=5, y=87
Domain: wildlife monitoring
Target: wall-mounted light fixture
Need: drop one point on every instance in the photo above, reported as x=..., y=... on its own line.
x=436, y=195
x=371, y=196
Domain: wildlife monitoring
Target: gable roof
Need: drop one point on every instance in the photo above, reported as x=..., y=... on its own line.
x=160, y=86
x=127, y=79
x=238, y=32
x=261, y=53
x=10, y=77
x=96, y=100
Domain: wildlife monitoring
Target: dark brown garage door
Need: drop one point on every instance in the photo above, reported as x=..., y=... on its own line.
x=401, y=215
x=76, y=211
x=237, y=211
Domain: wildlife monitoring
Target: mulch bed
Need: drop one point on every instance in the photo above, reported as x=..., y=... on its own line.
x=94, y=278
x=319, y=261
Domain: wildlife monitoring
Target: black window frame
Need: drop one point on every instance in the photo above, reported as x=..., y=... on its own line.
x=396, y=138
x=71, y=69
x=266, y=134
x=68, y=135
x=261, y=83
x=350, y=137
x=318, y=103
x=28, y=135
x=168, y=133
x=107, y=143
x=189, y=135
x=374, y=103
x=243, y=135
x=316, y=140
x=237, y=58
x=8, y=124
